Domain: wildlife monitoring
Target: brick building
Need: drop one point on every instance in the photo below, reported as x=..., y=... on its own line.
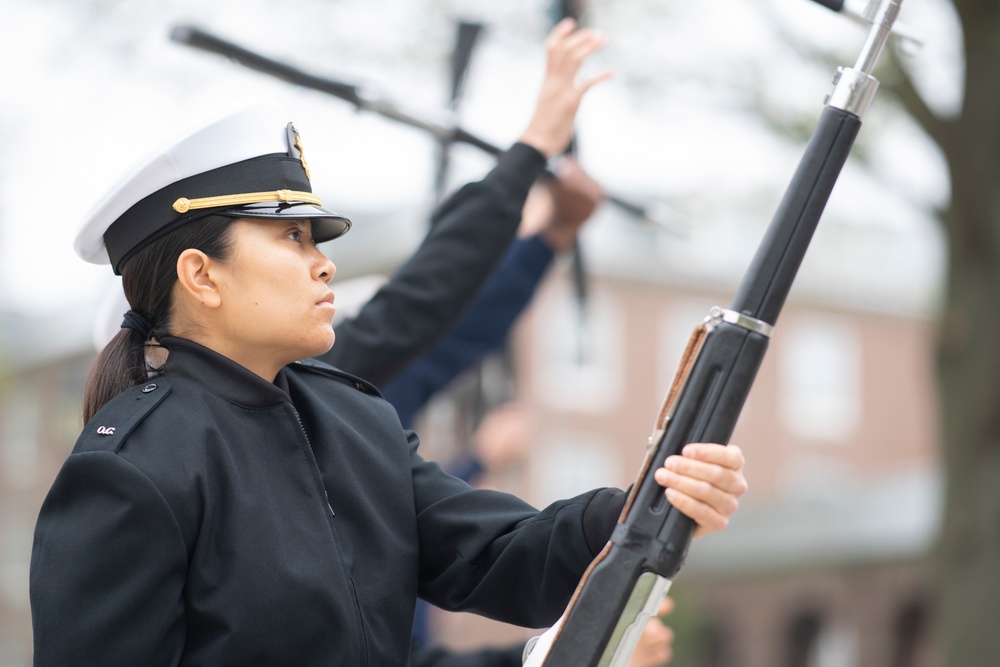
x=824, y=565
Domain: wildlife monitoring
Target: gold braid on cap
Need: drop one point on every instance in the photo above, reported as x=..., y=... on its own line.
x=183, y=205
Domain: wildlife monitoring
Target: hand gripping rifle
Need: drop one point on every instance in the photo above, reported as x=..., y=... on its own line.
x=627, y=581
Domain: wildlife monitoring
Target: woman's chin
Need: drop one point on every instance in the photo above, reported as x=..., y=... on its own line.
x=323, y=346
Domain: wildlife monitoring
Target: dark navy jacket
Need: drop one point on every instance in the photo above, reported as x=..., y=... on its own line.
x=213, y=518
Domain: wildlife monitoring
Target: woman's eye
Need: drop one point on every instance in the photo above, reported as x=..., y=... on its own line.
x=300, y=236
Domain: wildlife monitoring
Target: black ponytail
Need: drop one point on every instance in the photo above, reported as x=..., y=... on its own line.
x=148, y=279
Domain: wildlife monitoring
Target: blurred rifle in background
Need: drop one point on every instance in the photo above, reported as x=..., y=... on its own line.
x=442, y=127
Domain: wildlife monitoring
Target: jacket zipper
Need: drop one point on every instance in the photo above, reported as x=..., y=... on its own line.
x=305, y=436
x=326, y=496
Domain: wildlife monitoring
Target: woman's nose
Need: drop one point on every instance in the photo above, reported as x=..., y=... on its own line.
x=326, y=268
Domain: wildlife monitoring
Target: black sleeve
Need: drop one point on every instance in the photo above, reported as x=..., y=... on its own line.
x=492, y=554
x=469, y=235
x=107, y=569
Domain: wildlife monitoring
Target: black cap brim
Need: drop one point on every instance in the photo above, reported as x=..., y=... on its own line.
x=326, y=225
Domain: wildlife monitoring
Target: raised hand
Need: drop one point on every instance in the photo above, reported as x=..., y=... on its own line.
x=551, y=127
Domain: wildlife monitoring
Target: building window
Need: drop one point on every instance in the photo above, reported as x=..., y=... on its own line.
x=820, y=377
x=567, y=464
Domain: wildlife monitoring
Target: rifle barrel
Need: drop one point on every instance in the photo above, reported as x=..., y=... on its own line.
x=205, y=41
x=652, y=536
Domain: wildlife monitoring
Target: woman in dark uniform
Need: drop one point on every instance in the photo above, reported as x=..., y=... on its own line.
x=241, y=504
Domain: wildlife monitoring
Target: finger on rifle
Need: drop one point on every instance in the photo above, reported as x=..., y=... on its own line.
x=655, y=645
x=711, y=494
x=666, y=607
x=728, y=480
x=707, y=518
x=730, y=456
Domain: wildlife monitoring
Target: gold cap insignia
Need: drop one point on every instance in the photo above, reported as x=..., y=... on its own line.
x=295, y=148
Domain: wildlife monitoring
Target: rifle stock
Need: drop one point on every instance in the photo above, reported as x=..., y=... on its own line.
x=627, y=580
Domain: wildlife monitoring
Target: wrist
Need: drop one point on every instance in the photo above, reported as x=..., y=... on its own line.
x=557, y=238
x=542, y=142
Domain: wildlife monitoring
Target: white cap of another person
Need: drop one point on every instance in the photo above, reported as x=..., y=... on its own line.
x=245, y=164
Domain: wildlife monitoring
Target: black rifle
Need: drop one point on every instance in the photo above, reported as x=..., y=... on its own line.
x=627, y=581
x=855, y=10
x=443, y=128
x=573, y=9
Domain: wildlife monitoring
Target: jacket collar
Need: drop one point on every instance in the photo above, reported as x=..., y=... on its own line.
x=222, y=376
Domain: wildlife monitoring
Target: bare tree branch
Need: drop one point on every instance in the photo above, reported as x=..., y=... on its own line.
x=901, y=85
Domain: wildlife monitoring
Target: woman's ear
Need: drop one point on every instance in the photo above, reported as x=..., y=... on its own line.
x=196, y=279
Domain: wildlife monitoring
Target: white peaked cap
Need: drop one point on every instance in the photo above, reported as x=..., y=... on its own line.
x=244, y=163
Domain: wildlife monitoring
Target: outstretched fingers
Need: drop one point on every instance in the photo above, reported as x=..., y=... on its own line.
x=551, y=126
x=567, y=51
x=559, y=31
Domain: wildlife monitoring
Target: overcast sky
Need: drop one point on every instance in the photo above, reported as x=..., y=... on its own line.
x=90, y=86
